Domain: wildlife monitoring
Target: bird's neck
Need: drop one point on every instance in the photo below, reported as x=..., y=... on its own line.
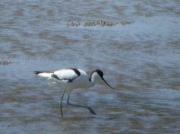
x=90, y=79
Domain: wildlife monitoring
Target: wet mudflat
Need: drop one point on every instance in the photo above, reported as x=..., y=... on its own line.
x=136, y=44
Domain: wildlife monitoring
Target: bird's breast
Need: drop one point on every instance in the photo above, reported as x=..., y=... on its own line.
x=80, y=82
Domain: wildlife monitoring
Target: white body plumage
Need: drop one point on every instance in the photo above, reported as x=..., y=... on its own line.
x=68, y=78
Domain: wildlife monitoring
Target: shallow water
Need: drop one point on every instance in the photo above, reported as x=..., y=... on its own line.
x=135, y=43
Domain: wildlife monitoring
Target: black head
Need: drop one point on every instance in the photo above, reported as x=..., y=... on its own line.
x=101, y=74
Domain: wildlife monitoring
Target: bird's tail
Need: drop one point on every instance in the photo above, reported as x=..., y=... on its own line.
x=38, y=72
x=43, y=74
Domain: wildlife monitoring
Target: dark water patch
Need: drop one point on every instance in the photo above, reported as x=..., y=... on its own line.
x=5, y=62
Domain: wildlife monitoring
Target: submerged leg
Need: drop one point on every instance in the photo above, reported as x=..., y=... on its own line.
x=61, y=102
x=78, y=105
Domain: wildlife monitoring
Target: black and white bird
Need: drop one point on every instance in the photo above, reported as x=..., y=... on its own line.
x=73, y=78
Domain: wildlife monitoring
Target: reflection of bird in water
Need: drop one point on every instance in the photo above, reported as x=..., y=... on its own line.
x=73, y=78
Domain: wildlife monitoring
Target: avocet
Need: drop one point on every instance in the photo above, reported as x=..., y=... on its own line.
x=73, y=78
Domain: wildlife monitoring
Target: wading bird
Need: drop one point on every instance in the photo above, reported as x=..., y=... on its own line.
x=73, y=78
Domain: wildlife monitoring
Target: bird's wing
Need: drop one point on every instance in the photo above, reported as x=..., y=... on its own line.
x=66, y=75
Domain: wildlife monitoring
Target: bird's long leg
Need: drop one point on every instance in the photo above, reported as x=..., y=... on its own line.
x=68, y=97
x=61, y=102
x=78, y=105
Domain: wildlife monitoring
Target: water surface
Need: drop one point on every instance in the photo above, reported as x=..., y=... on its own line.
x=135, y=43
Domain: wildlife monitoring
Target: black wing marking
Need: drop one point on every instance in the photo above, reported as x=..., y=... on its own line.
x=76, y=71
x=55, y=76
